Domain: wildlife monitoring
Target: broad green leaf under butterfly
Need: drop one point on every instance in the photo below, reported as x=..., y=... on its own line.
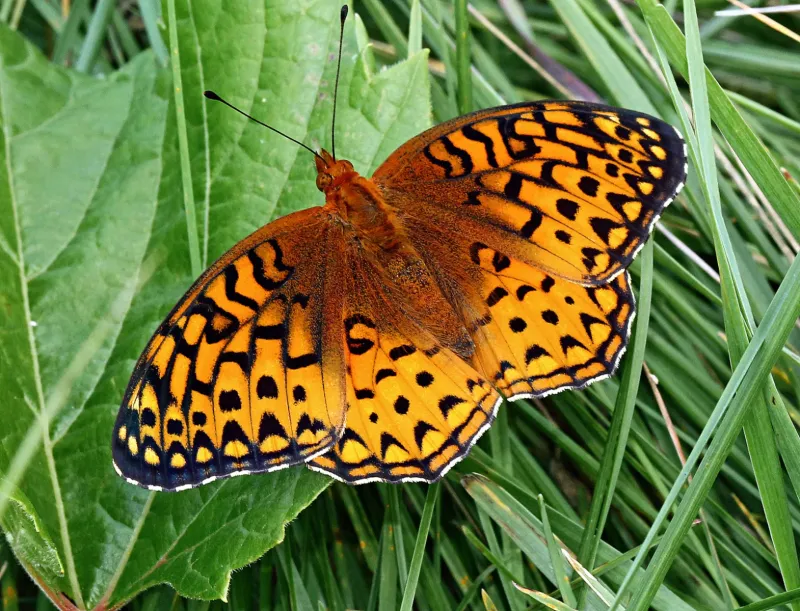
x=111, y=209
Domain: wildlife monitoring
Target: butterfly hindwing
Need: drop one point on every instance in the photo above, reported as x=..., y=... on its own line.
x=569, y=187
x=414, y=407
x=534, y=333
x=243, y=376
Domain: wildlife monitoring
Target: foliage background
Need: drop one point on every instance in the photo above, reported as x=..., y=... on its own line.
x=120, y=183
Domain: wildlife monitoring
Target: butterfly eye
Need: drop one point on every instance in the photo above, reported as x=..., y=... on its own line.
x=323, y=181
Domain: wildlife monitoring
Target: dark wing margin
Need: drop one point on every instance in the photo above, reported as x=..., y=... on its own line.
x=244, y=375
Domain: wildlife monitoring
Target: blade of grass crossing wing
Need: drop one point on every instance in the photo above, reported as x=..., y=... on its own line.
x=419, y=548
x=562, y=579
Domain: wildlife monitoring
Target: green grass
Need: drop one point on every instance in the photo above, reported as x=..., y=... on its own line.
x=582, y=499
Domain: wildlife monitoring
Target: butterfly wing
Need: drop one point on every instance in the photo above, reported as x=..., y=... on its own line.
x=571, y=188
x=534, y=333
x=246, y=373
x=414, y=407
x=528, y=216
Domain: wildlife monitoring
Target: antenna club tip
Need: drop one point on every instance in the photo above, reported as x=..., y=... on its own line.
x=344, y=13
x=212, y=96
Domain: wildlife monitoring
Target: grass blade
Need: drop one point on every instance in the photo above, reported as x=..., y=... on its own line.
x=183, y=143
x=419, y=548
x=562, y=579
x=744, y=387
x=463, y=64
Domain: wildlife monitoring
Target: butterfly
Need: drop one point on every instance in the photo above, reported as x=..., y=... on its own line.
x=373, y=338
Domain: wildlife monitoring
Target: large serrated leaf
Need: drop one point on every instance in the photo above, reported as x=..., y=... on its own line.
x=93, y=235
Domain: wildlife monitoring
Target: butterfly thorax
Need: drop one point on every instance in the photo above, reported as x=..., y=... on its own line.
x=382, y=240
x=358, y=202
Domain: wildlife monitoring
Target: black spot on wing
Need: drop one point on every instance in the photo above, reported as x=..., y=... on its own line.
x=365, y=393
x=270, y=332
x=496, y=295
x=399, y=352
x=266, y=388
x=384, y=373
x=304, y=360
x=229, y=401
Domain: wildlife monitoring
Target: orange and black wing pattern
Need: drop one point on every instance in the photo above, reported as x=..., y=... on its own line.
x=534, y=333
x=528, y=216
x=571, y=188
x=414, y=407
x=245, y=374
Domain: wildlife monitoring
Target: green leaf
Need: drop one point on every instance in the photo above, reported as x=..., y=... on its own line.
x=100, y=250
x=29, y=538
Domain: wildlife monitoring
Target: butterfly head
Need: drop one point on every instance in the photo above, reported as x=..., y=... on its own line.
x=332, y=173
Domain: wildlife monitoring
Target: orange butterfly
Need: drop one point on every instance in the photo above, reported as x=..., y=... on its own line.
x=374, y=337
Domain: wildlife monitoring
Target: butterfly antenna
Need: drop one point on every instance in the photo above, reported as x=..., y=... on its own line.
x=213, y=96
x=336, y=86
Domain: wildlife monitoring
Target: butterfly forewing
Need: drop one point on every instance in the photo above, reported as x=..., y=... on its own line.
x=569, y=187
x=246, y=374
